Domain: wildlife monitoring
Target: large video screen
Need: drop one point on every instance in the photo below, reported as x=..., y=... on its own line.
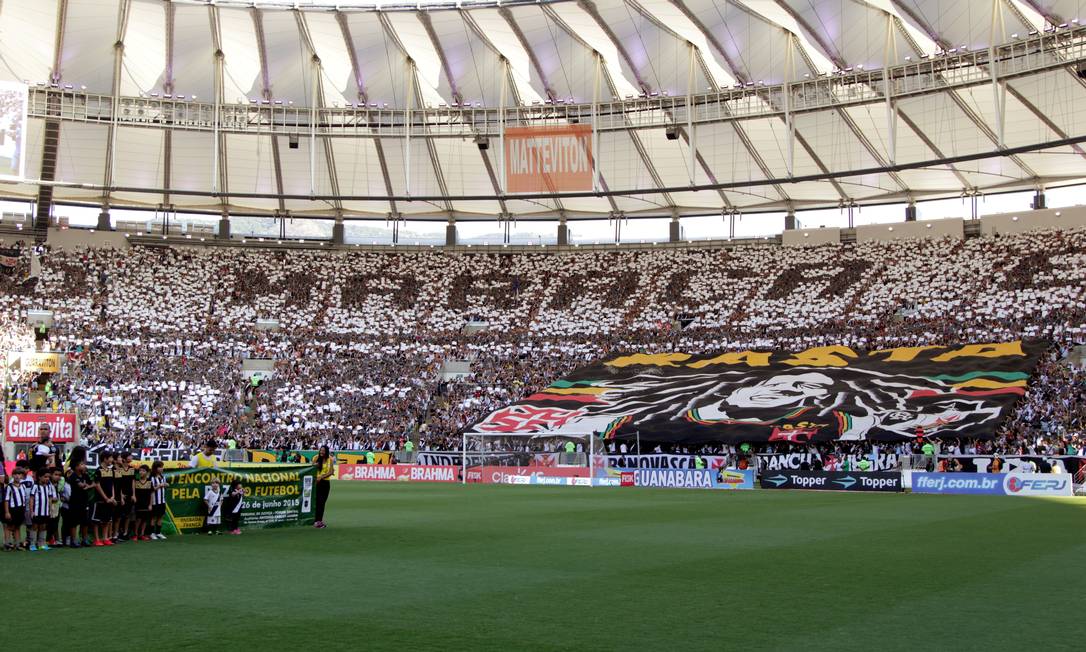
x=13, y=100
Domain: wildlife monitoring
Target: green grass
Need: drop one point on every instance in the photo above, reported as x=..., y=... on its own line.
x=497, y=567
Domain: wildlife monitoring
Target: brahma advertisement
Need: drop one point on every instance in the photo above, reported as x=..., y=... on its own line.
x=22, y=427
x=398, y=473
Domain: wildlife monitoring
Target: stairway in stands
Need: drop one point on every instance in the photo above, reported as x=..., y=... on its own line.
x=50, y=147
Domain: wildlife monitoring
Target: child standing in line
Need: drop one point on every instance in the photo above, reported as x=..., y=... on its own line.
x=52, y=530
x=103, y=509
x=235, y=500
x=14, y=509
x=3, y=492
x=28, y=488
x=41, y=502
x=213, y=504
x=158, y=500
x=143, y=493
x=78, y=486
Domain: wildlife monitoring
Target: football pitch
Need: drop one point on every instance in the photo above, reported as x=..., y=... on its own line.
x=411, y=566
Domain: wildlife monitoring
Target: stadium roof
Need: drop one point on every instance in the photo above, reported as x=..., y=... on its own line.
x=301, y=106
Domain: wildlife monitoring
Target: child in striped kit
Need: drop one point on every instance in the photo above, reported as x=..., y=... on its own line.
x=42, y=496
x=13, y=509
x=158, y=500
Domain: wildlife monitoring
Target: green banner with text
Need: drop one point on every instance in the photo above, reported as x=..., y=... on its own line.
x=277, y=495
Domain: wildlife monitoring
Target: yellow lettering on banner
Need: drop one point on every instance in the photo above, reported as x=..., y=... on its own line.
x=996, y=350
x=749, y=358
x=822, y=356
x=655, y=359
x=577, y=390
x=904, y=353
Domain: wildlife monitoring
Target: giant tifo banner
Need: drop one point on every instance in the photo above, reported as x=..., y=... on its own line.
x=22, y=427
x=275, y=496
x=548, y=159
x=398, y=472
x=830, y=393
x=13, y=106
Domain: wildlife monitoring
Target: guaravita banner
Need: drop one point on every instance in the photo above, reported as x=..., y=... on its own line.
x=828, y=393
x=276, y=495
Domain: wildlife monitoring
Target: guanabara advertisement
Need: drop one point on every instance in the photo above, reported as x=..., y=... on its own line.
x=827, y=393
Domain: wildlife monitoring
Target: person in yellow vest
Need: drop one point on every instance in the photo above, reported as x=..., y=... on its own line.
x=325, y=463
x=205, y=459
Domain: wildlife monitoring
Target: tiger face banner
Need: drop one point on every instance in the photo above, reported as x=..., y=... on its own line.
x=830, y=393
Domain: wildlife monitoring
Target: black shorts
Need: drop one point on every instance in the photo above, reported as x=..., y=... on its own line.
x=124, y=511
x=158, y=511
x=41, y=520
x=74, y=515
x=18, y=517
x=102, y=513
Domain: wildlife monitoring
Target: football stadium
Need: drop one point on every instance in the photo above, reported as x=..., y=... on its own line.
x=543, y=324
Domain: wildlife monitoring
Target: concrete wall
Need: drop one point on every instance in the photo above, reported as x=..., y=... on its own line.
x=9, y=239
x=75, y=238
x=1031, y=220
x=953, y=228
x=810, y=237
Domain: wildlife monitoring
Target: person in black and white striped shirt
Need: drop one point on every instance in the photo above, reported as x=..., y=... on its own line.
x=42, y=496
x=14, y=508
x=158, y=500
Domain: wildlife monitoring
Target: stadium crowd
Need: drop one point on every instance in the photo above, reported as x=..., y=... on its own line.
x=154, y=337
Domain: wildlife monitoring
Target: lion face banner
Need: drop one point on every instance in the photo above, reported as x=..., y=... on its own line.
x=827, y=393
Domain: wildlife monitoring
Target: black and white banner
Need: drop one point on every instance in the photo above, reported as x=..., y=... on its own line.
x=1074, y=465
x=829, y=461
x=662, y=461
x=164, y=454
x=438, y=459
x=831, y=481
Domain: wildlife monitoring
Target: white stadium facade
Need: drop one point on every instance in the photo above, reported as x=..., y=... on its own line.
x=348, y=122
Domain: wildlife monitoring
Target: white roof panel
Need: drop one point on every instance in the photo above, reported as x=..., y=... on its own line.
x=194, y=64
x=28, y=30
x=241, y=57
x=89, y=34
x=144, y=48
x=139, y=163
x=251, y=169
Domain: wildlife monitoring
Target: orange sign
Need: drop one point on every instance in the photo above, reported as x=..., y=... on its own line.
x=548, y=159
